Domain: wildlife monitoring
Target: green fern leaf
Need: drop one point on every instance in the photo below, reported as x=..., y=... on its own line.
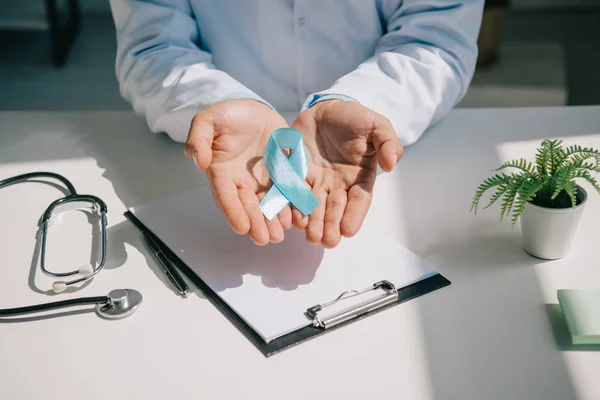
x=541, y=160
x=549, y=153
x=520, y=164
x=581, y=162
x=588, y=177
x=556, y=151
x=571, y=189
x=499, y=192
x=509, y=196
x=487, y=184
x=561, y=180
x=527, y=192
x=578, y=152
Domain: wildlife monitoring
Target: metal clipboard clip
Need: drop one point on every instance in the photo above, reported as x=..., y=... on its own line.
x=389, y=296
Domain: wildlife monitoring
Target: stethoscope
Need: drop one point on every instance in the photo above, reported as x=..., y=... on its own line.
x=119, y=303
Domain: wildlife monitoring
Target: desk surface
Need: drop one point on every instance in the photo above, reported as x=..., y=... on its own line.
x=495, y=333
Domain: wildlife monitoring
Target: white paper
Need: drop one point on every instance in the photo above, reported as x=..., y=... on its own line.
x=271, y=287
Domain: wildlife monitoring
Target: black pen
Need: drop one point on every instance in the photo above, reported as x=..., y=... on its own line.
x=170, y=270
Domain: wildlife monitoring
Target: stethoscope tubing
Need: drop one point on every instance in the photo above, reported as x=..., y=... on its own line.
x=103, y=225
x=20, y=178
x=54, y=305
x=73, y=196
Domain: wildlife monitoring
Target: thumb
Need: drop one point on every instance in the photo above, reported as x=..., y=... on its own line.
x=387, y=145
x=198, y=146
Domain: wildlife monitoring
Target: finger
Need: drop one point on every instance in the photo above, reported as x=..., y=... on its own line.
x=299, y=220
x=314, y=229
x=285, y=218
x=275, y=230
x=359, y=201
x=386, y=142
x=274, y=226
x=259, y=233
x=227, y=198
x=334, y=211
x=198, y=146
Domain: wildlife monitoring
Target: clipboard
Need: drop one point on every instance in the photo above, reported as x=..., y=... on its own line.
x=387, y=296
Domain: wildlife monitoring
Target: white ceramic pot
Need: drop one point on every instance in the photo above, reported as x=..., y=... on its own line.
x=548, y=232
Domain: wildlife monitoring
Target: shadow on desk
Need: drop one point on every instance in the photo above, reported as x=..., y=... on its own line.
x=487, y=336
x=141, y=167
x=560, y=331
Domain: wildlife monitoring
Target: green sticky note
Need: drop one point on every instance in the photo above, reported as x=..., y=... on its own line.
x=581, y=308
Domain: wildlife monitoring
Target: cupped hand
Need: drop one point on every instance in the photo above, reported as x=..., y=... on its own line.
x=227, y=141
x=345, y=142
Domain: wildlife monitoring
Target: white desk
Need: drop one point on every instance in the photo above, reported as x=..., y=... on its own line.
x=492, y=334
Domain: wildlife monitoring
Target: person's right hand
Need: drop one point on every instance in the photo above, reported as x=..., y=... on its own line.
x=227, y=141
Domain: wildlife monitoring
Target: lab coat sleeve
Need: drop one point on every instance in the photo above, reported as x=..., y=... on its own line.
x=421, y=68
x=160, y=68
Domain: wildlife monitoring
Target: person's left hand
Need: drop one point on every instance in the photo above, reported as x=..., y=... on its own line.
x=345, y=142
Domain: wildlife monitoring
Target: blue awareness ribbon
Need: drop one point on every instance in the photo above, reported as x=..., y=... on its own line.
x=287, y=174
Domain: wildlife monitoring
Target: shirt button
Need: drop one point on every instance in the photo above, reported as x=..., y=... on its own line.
x=301, y=21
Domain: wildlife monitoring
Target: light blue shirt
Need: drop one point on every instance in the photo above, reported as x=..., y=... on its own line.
x=411, y=61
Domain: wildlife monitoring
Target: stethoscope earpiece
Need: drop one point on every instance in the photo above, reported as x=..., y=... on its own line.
x=86, y=270
x=59, y=287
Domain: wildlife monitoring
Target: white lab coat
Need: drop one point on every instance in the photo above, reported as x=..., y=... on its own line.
x=411, y=60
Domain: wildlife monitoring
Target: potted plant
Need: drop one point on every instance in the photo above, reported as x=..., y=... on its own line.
x=544, y=195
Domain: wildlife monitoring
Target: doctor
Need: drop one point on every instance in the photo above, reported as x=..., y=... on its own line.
x=359, y=78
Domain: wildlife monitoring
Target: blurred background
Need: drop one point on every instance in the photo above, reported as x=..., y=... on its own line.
x=59, y=55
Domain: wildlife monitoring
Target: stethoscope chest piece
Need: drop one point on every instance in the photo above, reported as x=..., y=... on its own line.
x=123, y=303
